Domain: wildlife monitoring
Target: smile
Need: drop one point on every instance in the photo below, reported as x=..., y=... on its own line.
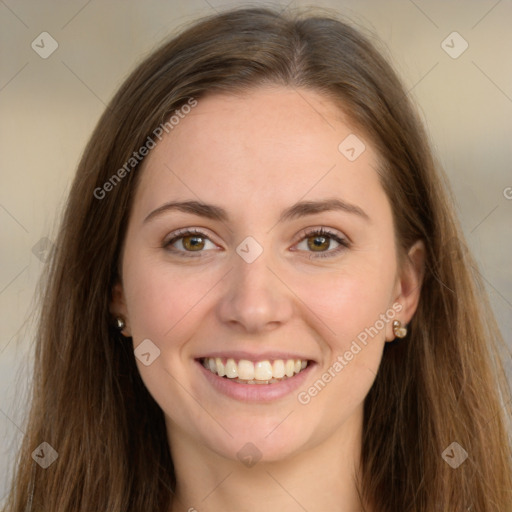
x=244, y=371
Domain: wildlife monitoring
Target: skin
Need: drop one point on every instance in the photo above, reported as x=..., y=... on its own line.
x=255, y=155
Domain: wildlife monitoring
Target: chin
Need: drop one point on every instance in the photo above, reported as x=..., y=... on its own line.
x=262, y=441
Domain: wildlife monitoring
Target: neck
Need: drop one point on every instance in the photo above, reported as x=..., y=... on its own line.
x=318, y=479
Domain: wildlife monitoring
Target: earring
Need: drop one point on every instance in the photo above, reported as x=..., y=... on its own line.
x=399, y=330
x=120, y=323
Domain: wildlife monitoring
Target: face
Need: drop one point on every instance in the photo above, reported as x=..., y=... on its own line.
x=286, y=276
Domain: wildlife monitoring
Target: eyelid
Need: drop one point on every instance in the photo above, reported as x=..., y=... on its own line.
x=304, y=233
x=182, y=232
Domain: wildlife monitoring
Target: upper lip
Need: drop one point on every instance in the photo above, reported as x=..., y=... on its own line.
x=250, y=356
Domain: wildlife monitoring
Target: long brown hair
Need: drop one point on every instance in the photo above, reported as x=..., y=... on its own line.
x=443, y=384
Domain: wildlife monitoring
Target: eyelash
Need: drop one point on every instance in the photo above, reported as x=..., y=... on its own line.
x=317, y=232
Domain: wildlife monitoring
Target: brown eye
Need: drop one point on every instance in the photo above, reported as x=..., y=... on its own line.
x=193, y=243
x=187, y=242
x=318, y=243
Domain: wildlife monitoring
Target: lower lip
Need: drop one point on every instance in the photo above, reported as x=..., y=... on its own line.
x=255, y=392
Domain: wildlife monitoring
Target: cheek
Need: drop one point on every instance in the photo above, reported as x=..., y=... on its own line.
x=352, y=299
x=160, y=296
x=161, y=299
x=351, y=307
x=354, y=306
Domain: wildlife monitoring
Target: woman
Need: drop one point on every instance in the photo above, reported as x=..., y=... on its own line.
x=251, y=303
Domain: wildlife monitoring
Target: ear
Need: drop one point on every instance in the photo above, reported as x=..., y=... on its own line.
x=408, y=286
x=118, y=307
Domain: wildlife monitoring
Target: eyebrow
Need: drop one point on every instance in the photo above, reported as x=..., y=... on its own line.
x=298, y=210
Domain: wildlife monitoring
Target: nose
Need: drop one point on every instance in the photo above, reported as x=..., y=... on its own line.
x=255, y=298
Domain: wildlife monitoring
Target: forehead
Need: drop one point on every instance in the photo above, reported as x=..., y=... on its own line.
x=268, y=146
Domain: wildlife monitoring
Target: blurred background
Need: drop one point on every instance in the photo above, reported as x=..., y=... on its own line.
x=61, y=61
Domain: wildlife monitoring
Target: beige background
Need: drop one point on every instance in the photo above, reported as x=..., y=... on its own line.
x=50, y=106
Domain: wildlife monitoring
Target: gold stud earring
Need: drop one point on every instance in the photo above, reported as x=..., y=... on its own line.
x=120, y=323
x=399, y=330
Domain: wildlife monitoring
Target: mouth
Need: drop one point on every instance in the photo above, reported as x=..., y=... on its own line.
x=250, y=378
x=264, y=372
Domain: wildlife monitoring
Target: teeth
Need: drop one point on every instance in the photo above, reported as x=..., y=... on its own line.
x=246, y=370
x=289, y=367
x=231, y=368
x=221, y=369
x=261, y=372
x=278, y=368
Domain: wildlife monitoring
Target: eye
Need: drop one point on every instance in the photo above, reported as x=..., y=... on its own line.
x=319, y=241
x=188, y=241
